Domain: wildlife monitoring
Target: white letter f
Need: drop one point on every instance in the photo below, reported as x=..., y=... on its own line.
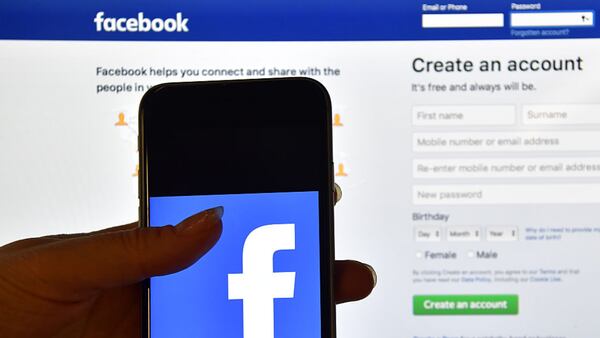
x=98, y=20
x=258, y=285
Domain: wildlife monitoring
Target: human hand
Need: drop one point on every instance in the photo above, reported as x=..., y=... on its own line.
x=87, y=285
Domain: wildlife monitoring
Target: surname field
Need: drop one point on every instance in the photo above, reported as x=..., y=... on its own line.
x=482, y=194
x=507, y=141
x=464, y=115
x=561, y=114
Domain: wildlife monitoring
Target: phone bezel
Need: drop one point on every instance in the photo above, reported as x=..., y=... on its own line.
x=326, y=193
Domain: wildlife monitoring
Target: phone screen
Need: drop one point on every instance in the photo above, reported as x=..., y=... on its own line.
x=260, y=280
x=261, y=150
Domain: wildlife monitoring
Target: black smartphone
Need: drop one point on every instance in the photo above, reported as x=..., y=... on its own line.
x=262, y=150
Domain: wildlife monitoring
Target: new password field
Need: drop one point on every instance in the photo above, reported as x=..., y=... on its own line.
x=482, y=194
x=464, y=115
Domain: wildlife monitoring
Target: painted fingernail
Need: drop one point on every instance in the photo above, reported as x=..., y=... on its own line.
x=373, y=273
x=204, y=220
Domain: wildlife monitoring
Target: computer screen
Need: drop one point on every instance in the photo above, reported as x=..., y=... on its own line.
x=466, y=140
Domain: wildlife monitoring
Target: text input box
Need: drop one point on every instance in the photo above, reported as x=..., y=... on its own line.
x=463, y=115
x=463, y=20
x=442, y=168
x=553, y=19
x=561, y=114
x=507, y=141
x=474, y=194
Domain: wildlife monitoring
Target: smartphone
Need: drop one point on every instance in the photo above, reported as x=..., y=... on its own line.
x=262, y=149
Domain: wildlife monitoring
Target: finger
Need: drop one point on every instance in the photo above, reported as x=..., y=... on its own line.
x=32, y=242
x=337, y=193
x=353, y=281
x=81, y=266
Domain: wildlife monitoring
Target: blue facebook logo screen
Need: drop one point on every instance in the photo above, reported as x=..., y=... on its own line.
x=261, y=280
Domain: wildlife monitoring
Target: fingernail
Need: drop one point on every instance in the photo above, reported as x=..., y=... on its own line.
x=337, y=193
x=373, y=273
x=203, y=220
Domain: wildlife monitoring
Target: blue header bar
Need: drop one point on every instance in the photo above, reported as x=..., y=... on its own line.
x=297, y=20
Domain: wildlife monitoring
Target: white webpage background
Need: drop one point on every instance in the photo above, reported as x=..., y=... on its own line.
x=65, y=167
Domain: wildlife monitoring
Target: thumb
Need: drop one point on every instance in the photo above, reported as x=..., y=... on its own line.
x=79, y=267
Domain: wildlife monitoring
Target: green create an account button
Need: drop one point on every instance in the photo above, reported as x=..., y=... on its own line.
x=431, y=305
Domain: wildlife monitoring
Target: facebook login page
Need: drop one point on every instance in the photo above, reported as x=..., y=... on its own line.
x=466, y=141
x=261, y=280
